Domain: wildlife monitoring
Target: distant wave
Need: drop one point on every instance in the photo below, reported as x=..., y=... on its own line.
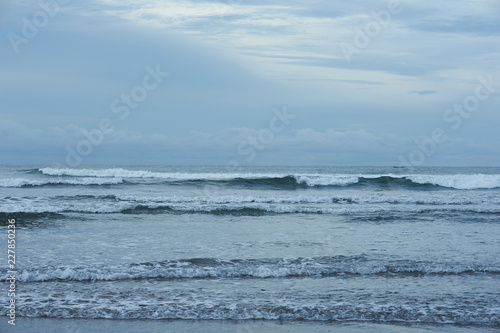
x=172, y=176
x=129, y=208
x=455, y=181
x=248, y=205
x=21, y=182
x=202, y=268
x=461, y=182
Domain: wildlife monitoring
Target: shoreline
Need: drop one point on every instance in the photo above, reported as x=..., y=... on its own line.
x=31, y=324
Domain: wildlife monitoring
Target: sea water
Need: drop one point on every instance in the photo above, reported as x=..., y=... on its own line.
x=337, y=244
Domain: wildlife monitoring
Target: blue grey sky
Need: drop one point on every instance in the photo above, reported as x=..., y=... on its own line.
x=319, y=82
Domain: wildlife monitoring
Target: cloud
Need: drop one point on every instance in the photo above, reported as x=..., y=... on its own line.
x=461, y=24
x=231, y=63
x=296, y=146
x=422, y=92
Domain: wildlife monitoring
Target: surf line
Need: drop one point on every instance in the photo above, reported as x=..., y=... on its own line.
x=121, y=106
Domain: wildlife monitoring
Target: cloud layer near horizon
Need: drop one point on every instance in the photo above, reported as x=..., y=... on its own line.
x=230, y=64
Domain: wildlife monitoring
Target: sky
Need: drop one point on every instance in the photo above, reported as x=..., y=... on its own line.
x=241, y=82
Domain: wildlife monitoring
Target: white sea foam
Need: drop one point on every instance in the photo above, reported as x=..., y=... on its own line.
x=326, y=180
x=458, y=181
x=234, y=207
x=307, y=179
x=263, y=268
x=173, y=176
x=461, y=182
x=253, y=204
x=20, y=182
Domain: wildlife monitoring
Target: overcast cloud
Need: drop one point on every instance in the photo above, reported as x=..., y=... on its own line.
x=257, y=82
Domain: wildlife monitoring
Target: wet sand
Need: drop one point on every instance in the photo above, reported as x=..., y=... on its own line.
x=31, y=325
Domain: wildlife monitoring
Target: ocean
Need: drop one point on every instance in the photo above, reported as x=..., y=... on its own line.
x=326, y=245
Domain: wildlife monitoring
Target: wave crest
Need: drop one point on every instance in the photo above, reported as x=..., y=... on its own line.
x=20, y=182
x=455, y=181
x=203, y=268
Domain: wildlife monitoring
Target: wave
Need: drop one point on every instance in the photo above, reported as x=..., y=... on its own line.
x=421, y=199
x=158, y=306
x=124, y=208
x=460, y=182
x=26, y=219
x=256, y=205
x=203, y=268
x=236, y=178
x=22, y=182
x=162, y=209
x=455, y=181
x=173, y=176
x=287, y=306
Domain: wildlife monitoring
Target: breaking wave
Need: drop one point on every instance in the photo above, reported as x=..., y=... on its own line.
x=455, y=181
x=203, y=268
x=21, y=182
x=249, y=205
